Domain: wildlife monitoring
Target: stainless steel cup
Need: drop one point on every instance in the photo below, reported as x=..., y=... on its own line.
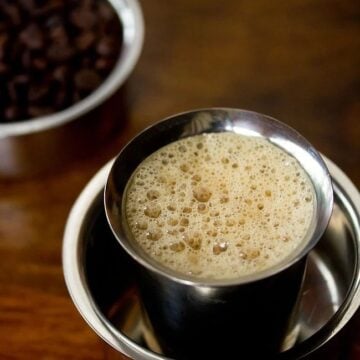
x=196, y=318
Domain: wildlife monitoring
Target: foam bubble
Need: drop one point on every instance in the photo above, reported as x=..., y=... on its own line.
x=219, y=205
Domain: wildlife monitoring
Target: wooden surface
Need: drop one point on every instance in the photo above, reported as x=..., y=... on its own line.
x=297, y=60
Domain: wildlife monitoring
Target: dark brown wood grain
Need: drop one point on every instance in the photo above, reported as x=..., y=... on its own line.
x=297, y=60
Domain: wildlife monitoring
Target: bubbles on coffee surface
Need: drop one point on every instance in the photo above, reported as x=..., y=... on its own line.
x=219, y=205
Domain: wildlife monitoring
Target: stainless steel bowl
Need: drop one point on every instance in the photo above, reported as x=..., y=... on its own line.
x=32, y=146
x=101, y=284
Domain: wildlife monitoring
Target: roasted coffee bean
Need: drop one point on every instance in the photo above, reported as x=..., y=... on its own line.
x=3, y=69
x=53, y=53
x=83, y=18
x=85, y=40
x=37, y=92
x=106, y=11
x=26, y=59
x=3, y=41
x=48, y=8
x=53, y=21
x=87, y=80
x=12, y=12
x=32, y=37
x=58, y=34
x=18, y=88
x=104, y=64
x=76, y=96
x=39, y=63
x=61, y=74
x=59, y=53
x=106, y=46
x=61, y=99
x=35, y=111
x=28, y=5
x=12, y=112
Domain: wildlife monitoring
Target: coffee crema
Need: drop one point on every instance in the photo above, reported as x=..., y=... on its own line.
x=219, y=205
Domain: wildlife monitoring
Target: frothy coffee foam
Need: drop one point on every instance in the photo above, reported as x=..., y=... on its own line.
x=219, y=205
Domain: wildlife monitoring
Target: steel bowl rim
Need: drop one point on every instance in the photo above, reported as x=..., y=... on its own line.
x=131, y=18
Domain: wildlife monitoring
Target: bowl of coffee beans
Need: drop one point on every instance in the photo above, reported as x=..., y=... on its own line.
x=59, y=61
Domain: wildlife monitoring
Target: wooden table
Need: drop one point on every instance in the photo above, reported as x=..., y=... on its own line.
x=297, y=60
